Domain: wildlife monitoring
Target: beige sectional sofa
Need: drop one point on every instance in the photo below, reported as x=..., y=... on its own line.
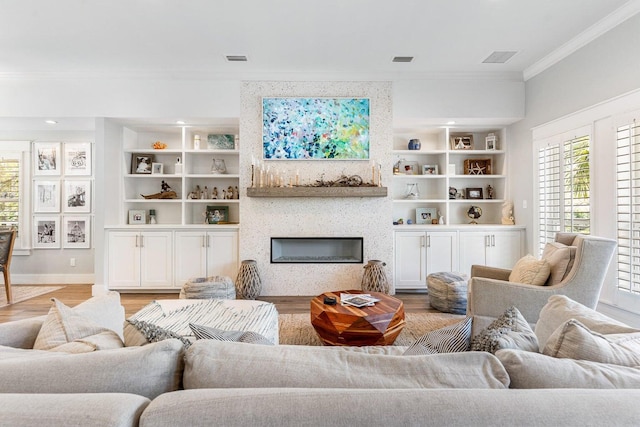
x=229, y=383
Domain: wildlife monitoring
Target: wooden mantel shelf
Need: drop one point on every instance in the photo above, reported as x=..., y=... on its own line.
x=317, y=192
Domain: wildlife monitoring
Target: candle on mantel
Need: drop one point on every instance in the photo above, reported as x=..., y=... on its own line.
x=379, y=174
x=373, y=172
x=297, y=177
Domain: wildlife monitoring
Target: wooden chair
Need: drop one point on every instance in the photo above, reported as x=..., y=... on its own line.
x=7, y=239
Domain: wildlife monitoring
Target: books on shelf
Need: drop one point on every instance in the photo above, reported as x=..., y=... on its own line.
x=358, y=300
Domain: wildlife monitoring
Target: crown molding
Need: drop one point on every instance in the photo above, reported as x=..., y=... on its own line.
x=590, y=34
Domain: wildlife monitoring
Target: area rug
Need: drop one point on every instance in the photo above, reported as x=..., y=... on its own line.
x=296, y=329
x=23, y=292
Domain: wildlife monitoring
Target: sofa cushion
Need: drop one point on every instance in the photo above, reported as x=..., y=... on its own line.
x=560, y=308
x=450, y=339
x=530, y=271
x=574, y=340
x=82, y=409
x=147, y=371
x=209, y=333
x=64, y=325
x=208, y=364
x=558, y=257
x=535, y=370
x=510, y=330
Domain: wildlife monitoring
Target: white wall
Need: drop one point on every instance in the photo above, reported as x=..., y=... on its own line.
x=578, y=91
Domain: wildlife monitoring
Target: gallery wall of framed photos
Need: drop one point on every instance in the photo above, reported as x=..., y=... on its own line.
x=62, y=195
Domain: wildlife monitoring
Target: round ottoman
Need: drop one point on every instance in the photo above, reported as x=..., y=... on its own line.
x=214, y=287
x=448, y=292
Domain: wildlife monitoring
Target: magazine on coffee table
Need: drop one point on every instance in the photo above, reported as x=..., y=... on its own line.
x=358, y=300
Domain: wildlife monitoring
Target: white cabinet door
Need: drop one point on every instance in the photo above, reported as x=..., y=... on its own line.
x=506, y=249
x=410, y=261
x=473, y=249
x=190, y=256
x=442, y=251
x=222, y=254
x=124, y=259
x=156, y=261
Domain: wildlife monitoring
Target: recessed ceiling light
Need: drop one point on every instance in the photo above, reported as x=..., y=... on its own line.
x=51, y=122
x=180, y=122
x=402, y=59
x=499, y=57
x=236, y=58
x=451, y=122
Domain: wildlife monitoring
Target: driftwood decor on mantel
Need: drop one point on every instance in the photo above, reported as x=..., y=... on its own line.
x=317, y=192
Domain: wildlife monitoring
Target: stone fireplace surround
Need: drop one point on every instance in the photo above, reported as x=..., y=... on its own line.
x=262, y=218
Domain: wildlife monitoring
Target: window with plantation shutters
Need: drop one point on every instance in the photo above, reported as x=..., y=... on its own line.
x=10, y=190
x=564, y=186
x=15, y=174
x=628, y=206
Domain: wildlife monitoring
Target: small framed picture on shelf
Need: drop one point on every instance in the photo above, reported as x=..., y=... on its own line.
x=426, y=215
x=46, y=196
x=217, y=214
x=141, y=163
x=462, y=142
x=491, y=141
x=46, y=158
x=408, y=168
x=47, y=232
x=429, y=169
x=77, y=158
x=473, y=193
x=477, y=167
x=76, y=232
x=157, y=168
x=137, y=216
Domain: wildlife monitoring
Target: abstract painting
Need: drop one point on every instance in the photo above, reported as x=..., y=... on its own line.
x=315, y=128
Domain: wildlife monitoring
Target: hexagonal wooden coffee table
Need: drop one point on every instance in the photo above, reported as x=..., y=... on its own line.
x=347, y=325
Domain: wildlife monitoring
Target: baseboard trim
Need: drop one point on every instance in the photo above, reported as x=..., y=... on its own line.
x=52, y=279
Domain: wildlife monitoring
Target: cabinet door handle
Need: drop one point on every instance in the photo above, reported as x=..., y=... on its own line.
x=487, y=241
x=204, y=242
x=493, y=240
x=137, y=244
x=422, y=241
x=428, y=241
x=208, y=242
x=142, y=241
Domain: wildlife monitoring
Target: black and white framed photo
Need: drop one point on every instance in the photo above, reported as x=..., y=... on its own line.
x=46, y=158
x=137, y=216
x=77, y=195
x=77, y=231
x=77, y=158
x=141, y=163
x=46, y=232
x=46, y=196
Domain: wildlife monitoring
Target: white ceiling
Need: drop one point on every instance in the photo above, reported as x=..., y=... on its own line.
x=295, y=38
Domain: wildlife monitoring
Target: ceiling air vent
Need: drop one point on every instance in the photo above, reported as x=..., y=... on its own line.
x=499, y=57
x=236, y=58
x=402, y=59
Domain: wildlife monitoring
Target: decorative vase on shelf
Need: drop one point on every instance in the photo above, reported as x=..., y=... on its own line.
x=412, y=191
x=218, y=166
x=414, y=144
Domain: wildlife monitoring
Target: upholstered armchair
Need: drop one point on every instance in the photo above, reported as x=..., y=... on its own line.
x=491, y=293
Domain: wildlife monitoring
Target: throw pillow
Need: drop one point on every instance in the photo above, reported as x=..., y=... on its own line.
x=511, y=330
x=449, y=339
x=576, y=341
x=154, y=333
x=63, y=325
x=529, y=370
x=560, y=308
x=530, y=271
x=209, y=333
x=107, y=340
x=558, y=256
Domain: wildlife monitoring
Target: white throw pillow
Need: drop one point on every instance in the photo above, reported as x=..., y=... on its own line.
x=558, y=256
x=530, y=271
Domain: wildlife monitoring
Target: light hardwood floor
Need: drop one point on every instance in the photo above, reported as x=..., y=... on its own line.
x=72, y=295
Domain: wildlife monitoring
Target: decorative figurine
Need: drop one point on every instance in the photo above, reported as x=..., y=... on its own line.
x=214, y=193
x=489, y=192
x=507, y=213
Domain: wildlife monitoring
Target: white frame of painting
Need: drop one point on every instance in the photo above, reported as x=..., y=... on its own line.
x=56, y=232
x=38, y=204
x=70, y=152
x=71, y=186
x=40, y=147
x=87, y=231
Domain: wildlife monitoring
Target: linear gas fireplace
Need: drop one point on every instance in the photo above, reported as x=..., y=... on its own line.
x=316, y=250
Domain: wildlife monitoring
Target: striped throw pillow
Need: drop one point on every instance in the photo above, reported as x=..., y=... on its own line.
x=450, y=339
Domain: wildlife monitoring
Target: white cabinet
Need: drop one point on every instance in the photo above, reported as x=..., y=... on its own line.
x=419, y=253
x=494, y=248
x=140, y=259
x=203, y=253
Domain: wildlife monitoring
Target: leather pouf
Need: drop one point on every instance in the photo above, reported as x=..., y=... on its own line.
x=448, y=292
x=214, y=287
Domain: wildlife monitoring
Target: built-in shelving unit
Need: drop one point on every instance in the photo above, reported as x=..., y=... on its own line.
x=437, y=168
